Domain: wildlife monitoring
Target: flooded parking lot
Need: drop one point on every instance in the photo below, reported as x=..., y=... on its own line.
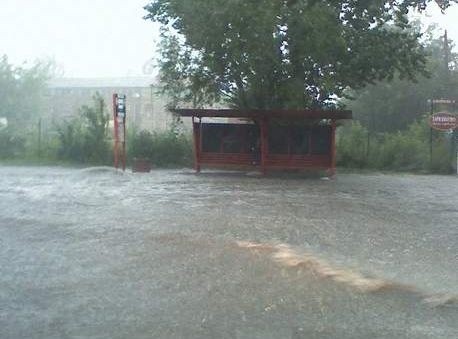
x=98, y=253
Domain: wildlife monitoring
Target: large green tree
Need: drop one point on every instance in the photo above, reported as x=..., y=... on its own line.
x=283, y=53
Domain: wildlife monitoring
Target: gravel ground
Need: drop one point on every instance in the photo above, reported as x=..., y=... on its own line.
x=95, y=253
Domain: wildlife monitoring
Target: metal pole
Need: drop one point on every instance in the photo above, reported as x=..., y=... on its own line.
x=115, y=131
x=455, y=144
x=39, y=137
x=455, y=138
x=431, y=138
x=446, y=65
x=124, y=144
x=152, y=107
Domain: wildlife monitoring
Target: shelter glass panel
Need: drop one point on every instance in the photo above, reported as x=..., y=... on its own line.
x=299, y=140
x=252, y=143
x=321, y=140
x=278, y=139
x=211, y=137
x=232, y=138
x=229, y=138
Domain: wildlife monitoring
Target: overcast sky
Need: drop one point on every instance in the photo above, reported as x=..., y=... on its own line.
x=101, y=38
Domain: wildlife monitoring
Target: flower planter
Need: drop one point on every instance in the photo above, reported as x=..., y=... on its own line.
x=141, y=165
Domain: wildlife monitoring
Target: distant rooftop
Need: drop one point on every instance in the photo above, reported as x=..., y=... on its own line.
x=102, y=82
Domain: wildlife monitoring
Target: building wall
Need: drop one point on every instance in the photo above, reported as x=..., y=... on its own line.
x=146, y=110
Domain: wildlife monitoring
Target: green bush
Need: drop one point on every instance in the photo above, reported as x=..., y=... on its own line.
x=85, y=138
x=163, y=149
x=407, y=150
x=11, y=144
x=442, y=155
x=140, y=145
x=29, y=145
x=71, y=141
x=352, y=146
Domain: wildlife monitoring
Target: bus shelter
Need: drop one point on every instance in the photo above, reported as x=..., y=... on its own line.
x=265, y=139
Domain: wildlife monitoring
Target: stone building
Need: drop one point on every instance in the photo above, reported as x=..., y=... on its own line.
x=146, y=109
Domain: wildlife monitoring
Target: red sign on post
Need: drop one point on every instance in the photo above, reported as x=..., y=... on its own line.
x=443, y=121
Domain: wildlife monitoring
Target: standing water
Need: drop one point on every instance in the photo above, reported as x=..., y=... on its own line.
x=100, y=253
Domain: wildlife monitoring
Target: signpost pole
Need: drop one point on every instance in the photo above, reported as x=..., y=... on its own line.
x=124, y=145
x=454, y=145
x=115, y=131
x=455, y=149
x=119, y=124
x=445, y=122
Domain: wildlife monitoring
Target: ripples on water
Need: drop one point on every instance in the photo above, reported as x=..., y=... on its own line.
x=401, y=227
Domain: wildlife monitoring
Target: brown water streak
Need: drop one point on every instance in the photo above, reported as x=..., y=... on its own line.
x=285, y=255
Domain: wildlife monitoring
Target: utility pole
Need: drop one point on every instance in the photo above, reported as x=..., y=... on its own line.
x=431, y=138
x=152, y=106
x=446, y=66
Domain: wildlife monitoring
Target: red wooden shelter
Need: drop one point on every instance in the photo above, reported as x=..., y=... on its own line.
x=265, y=139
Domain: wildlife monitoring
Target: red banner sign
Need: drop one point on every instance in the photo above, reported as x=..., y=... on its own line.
x=443, y=121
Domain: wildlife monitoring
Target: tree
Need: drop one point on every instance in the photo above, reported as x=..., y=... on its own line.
x=389, y=106
x=282, y=53
x=22, y=94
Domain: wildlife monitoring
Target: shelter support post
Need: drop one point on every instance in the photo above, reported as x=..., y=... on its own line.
x=196, y=128
x=332, y=170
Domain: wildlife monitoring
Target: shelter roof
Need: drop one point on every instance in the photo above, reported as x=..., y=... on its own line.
x=261, y=113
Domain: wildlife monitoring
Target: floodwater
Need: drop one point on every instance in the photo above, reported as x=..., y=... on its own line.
x=96, y=253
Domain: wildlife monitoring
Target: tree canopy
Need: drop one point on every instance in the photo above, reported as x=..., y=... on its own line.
x=283, y=54
x=388, y=106
x=22, y=91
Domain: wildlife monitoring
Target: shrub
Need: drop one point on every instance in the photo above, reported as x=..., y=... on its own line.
x=140, y=145
x=85, y=138
x=71, y=141
x=11, y=144
x=352, y=146
x=163, y=149
x=403, y=150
